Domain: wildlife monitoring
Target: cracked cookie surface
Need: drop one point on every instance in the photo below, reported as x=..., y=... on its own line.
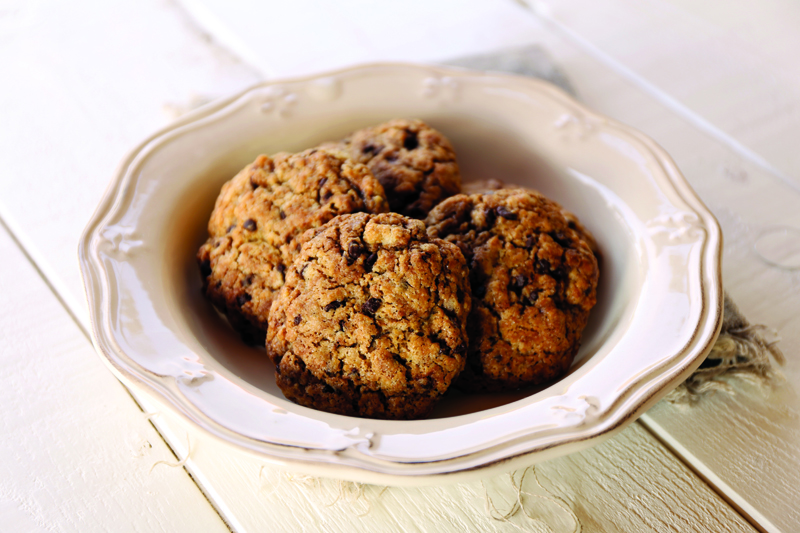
x=492, y=185
x=258, y=219
x=533, y=279
x=415, y=163
x=371, y=321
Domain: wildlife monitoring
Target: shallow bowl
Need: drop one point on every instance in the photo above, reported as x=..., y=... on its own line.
x=659, y=298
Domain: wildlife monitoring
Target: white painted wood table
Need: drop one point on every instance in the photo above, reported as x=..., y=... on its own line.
x=718, y=85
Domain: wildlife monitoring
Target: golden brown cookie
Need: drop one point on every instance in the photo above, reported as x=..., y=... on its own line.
x=492, y=185
x=415, y=163
x=372, y=319
x=533, y=279
x=258, y=217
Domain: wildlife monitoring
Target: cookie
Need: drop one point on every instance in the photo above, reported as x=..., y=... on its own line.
x=415, y=163
x=533, y=279
x=371, y=321
x=258, y=218
x=492, y=185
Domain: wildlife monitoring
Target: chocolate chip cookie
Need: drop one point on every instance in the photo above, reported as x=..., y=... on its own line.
x=371, y=321
x=415, y=163
x=258, y=218
x=492, y=185
x=533, y=280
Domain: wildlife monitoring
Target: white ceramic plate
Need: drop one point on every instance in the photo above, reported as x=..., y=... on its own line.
x=659, y=300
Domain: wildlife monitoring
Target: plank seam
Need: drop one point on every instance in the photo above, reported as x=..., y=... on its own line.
x=713, y=481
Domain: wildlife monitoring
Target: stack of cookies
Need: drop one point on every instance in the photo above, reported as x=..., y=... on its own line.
x=375, y=284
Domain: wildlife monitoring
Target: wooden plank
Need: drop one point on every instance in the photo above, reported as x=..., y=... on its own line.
x=630, y=483
x=413, y=30
x=755, y=464
x=732, y=69
x=76, y=453
x=89, y=82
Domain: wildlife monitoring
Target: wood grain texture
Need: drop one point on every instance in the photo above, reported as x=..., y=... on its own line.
x=630, y=483
x=747, y=443
x=720, y=69
x=90, y=81
x=76, y=452
x=413, y=30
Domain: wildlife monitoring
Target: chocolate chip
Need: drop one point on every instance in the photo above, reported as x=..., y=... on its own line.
x=518, y=282
x=321, y=197
x=461, y=348
x=371, y=149
x=543, y=264
x=503, y=211
x=249, y=224
x=561, y=238
x=392, y=157
x=281, y=214
x=281, y=268
x=334, y=305
x=231, y=228
x=253, y=184
x=205, y=268
x=450, y=313
x=354, y=250
x=371, y=306
x=369, y=262
x=243, y=299
x=297, y=320
x=490, y=216
x=533, y=297
x=443, y=347
x=411, y=141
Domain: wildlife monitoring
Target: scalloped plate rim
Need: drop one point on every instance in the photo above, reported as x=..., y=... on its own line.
x=633, y=403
